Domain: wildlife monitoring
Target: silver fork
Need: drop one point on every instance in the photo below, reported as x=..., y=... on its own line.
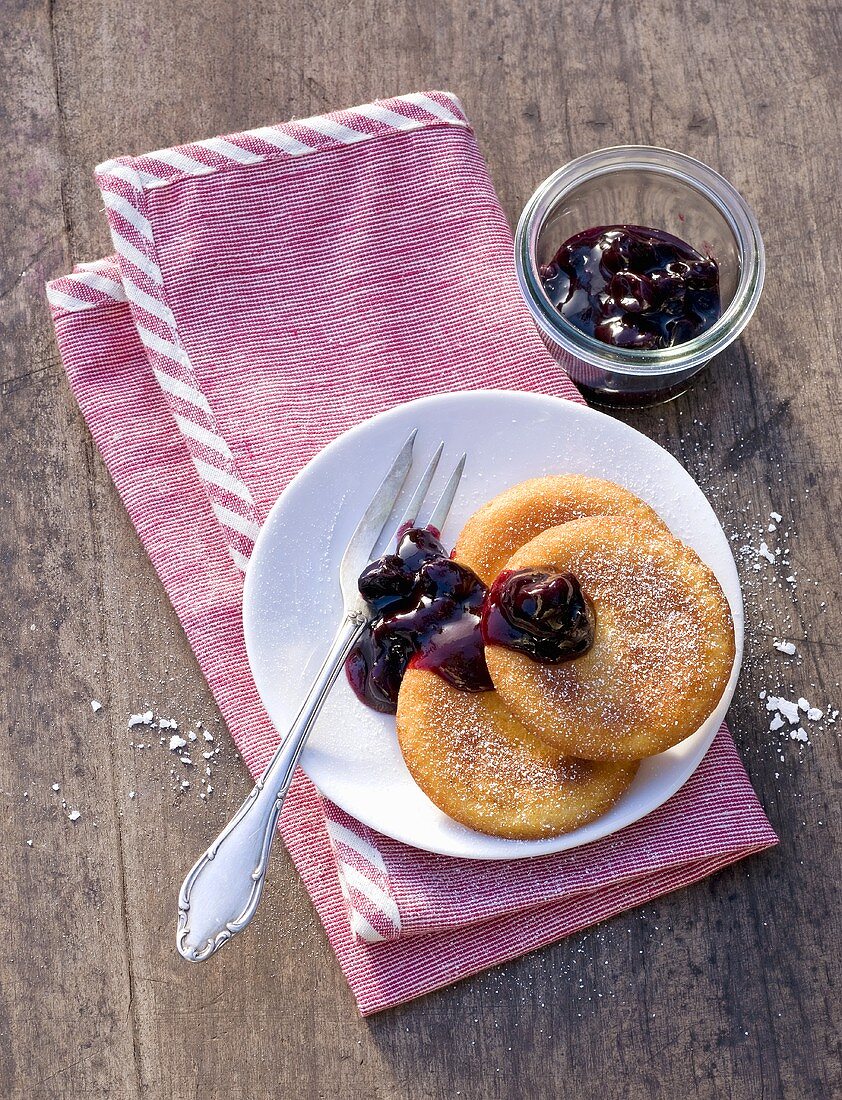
x=222, y=891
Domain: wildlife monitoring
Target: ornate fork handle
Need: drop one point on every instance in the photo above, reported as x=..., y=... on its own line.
x=222, y=891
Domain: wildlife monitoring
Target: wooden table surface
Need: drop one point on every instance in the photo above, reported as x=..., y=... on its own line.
x=722, y=990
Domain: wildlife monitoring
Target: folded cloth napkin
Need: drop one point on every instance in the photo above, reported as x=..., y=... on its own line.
x=270, y=289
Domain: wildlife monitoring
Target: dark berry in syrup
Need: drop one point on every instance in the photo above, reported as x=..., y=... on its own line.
x=427, y=612
x=444, y=577
x=418, y=545
x=633, y=287
x=376, y=666
x=545, y=615
x=388, y=584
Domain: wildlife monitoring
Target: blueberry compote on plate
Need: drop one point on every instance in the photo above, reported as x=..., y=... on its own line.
x=426, y=613
x=547, y=616
x=633, y=287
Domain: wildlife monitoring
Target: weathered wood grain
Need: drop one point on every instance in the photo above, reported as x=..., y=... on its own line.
x=723, y=990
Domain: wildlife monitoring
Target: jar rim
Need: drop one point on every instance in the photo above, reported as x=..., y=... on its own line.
x=695, y=175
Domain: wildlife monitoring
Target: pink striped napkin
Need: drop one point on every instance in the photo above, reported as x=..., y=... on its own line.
x=269, y=290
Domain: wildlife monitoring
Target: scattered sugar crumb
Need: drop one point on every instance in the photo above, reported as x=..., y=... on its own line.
x=167, y=724
x=803, y=704
x=56, y=787
x=207, y=736
x=74, y=815
x=799, y=735
x=177, y=742
x=95, y=705
x=132, y=794
x=29, y=842
x=815, y=714
x=785, y=647
x=776, y=723
x=785, y=707
x=765, y=552
x=776, y=516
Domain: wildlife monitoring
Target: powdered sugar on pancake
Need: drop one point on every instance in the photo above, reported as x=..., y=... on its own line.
x=479, y=764
x=662, y=652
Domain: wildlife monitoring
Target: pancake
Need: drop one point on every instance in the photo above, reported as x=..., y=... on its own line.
x=518, y=514
x=662, y=652
x=482, y=768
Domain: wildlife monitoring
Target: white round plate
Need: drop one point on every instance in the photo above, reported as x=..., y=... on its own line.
x=292, y=603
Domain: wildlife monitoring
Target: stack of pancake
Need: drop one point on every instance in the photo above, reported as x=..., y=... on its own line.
x=555, y=745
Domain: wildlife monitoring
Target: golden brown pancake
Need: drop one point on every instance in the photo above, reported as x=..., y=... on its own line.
x=481, y=767
x=518, y=514
x=662, y=652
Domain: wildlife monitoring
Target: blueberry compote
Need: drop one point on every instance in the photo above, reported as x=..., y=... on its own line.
x=633, y=287
x=426, y=612
x=545, y=615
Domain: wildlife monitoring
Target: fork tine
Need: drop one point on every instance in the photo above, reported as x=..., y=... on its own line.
x=440, y=512
x=414, y=506
x=375, y=517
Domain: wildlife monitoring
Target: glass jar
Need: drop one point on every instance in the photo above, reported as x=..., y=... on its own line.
x=640, y=185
